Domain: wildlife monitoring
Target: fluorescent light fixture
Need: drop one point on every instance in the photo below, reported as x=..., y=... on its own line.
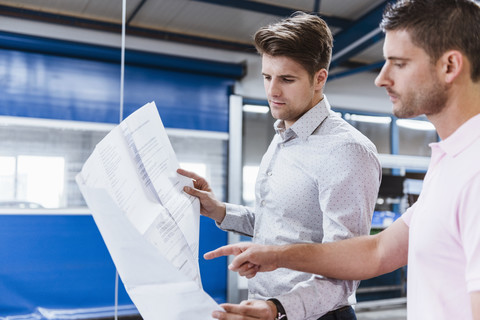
x=416, y=124
x=371, y=119
x=255, y=108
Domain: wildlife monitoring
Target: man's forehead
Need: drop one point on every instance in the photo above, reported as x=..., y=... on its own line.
x=281, y=65
x=398, y=43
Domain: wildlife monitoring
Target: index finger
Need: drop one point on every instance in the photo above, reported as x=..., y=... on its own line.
x=189, y=174
x=227, y=250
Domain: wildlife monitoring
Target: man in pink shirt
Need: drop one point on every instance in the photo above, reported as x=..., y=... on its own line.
x=432, y=67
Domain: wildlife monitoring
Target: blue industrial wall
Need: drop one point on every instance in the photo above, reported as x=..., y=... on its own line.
x=60, y=261
x=190, y=94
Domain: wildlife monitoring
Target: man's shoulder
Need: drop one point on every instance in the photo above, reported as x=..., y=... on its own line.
x=336, y=134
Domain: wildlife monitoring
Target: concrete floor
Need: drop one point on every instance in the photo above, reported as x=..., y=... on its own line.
x=389, y=314
x=389, y=309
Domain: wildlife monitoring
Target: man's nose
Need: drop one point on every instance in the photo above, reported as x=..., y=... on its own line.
x=383, y=79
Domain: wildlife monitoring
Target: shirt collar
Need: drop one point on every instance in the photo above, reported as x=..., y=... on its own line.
x=307, y=123
x=462, y=138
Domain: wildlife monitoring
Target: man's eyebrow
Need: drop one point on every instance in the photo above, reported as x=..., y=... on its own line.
x=397, y=58
x=281, y=76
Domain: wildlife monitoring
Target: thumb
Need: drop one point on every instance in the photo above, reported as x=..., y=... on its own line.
x=194, y=192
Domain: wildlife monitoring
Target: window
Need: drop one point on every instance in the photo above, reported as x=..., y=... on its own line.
x=41, y=180
x=40, y=159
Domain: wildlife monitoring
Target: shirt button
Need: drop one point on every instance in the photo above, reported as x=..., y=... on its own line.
x=269, y=173
x=262, y=203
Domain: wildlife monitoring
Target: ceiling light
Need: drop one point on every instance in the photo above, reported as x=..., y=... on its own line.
x=255, y=108
x=371, y=119
x=416, y=124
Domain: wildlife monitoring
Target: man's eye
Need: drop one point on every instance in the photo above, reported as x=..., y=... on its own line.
x=287, y=80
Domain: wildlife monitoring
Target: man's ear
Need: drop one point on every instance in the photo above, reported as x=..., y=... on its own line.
x=320, y=78
x=452, y=63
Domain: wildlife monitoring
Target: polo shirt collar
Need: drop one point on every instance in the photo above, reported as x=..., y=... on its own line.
x=462, y=138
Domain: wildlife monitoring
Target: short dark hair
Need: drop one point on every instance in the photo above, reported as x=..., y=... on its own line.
x=303, y=37
x=437, y=26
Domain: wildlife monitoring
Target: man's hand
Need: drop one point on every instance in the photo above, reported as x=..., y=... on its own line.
x=247, y=310
x=209, y=205
x=250, y=258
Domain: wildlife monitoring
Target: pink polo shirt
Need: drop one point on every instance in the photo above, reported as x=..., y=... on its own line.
x=444, y=236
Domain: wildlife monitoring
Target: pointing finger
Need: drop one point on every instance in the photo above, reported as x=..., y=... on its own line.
x=231, y=249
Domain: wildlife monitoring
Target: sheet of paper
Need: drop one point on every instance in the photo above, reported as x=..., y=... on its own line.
x=150, y=226
x=156, y=161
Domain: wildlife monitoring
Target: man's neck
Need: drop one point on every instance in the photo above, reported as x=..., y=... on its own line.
x=316, y=100
x=460, y=107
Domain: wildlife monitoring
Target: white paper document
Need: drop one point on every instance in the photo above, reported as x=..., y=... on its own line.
x=150, y=226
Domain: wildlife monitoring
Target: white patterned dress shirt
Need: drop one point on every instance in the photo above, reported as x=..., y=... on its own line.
x=317, y=182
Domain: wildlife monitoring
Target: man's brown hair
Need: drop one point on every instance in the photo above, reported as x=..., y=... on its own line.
x=437, y=26
x=303, y=37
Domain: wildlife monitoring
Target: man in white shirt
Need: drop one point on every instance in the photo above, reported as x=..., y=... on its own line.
x=318, y=181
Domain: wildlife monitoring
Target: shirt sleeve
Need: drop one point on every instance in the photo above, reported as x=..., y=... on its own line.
x=348, y=196
x=407, y=216
x=239, y=219
x=348, y=189
x=469, y=218
x=314, y=298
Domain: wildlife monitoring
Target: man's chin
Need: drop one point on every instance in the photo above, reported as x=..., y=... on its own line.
x=402, y=113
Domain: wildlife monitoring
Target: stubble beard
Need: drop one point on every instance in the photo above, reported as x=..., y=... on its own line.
x=428, y=101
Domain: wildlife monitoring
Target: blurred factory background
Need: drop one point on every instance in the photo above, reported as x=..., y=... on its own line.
x=60, y=67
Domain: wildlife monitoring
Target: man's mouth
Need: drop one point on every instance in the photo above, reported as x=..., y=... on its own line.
x=276, y=103
x=393, y=96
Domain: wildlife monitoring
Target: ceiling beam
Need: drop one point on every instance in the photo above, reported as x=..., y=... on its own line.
x=316, y=5
x=274, y=10
x=117, y=28
x=135, y=11
x=361, y=34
